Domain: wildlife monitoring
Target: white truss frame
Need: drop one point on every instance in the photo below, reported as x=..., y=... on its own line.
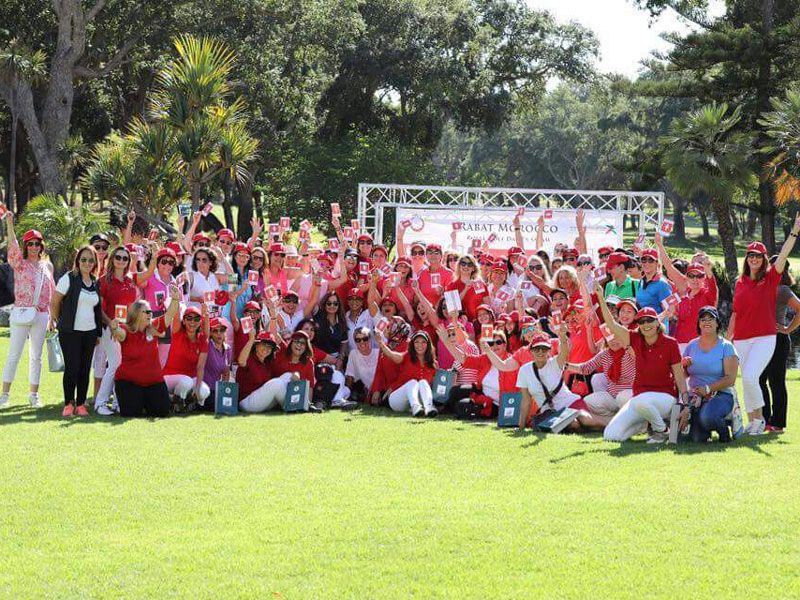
x=374, y=198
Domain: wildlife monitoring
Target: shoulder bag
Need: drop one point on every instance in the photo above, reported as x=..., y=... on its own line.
x=25, y=315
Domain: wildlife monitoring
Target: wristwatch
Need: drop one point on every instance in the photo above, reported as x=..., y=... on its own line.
x=708, y=390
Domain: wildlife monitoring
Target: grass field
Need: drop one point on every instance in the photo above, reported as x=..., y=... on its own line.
x=371, y=505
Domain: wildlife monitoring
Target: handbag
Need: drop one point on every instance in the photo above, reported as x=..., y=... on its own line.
x=55, y=357
x=24, y=315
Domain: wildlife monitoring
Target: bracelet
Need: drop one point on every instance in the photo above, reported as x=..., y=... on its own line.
x=516, y=228
x=708, y=390
x=793, y=234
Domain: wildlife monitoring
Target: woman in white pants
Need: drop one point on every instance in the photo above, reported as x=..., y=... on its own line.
x=258, y=390
x=752, y=327
x=33, y=289
x=188, y=352
x=416, y=369
x=658, y=373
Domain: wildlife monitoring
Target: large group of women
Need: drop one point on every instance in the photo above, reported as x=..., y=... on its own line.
x=621, y=337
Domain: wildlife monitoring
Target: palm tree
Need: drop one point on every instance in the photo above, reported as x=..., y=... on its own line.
x=193, y=100
x=24, y=64
x=706, y=153
x=782, y=127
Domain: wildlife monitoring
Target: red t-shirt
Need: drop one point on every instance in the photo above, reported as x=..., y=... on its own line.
x=385, y=369
x=471, y=301
x=253, y=375
x=432, y=293
x=281, y=365
x=579, y=343
x=754, y=305
x=507, y=379
x=407, y=370
x=318, y=355
x=689, y=308
x=117, y=292
x=654, y=364
x=184, y=354
x=140, y=363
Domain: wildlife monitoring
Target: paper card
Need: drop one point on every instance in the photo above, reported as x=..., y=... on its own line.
x=120, y=312
x=436, y=280
x=3, y=211
x=208, y=297
x=508, y=412
x=185, y=210
x=252, y=277
x=333, y=245
x=548, y=214
x=335, y=210
x=639, y=243
x=525, y=285
x=207, y=208
x=304, y=235
x=520, y=211
x=453, y=301
x=140, y=254
x=247, y=324
x=213, y=310
x=504, y=294
x=393, y=280
x=556, y=318
x=227, y=401
x=671, y=300
x=406, y=223
x=607, y=334
x=441, y=390
x=271, y=293
x=381, y=325
x=160, y=298
x=181, y=279
x=457, y=226
x=233, y=279
x=385, y=270
x=274, y=229
x=666, y=227
x=479, y=287
x=153, y=235
x=363, y=268
x=355, y=224
x=492, y=238
x=487, y=332
x=599, y=272
x=305, y=225
x=347, y=233
x=476, y=243
x=521, y=261
x=285, y=223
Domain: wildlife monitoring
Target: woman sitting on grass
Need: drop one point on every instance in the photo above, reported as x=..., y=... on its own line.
x=712, y=365
x=658, y=372
x=140, y=387
x=186, y=362
x=416, y=369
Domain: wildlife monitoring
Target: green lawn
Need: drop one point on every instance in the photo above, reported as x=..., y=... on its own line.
x=371, y=505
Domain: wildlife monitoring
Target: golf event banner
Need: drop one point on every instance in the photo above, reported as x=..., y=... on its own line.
x=435, y=225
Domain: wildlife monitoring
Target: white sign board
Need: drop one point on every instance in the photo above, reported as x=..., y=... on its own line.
x=431, y=225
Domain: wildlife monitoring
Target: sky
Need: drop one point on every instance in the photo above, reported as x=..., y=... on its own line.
x=626, y=33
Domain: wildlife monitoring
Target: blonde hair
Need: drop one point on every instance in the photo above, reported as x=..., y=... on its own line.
x=135, y=311
x=573, y=275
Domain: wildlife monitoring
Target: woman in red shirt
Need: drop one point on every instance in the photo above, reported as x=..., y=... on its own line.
x=258, y=390
x=752, y=327
x=472, y=291
x=140, y=387
x=658, y=373
x=397, y=333
x=186, y=362
x=296, y=359
x=416, y=369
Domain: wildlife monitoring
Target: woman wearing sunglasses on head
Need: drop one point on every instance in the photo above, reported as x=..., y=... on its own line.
x=155, y=291
x=30, y=317
x=139, y=386
x=658, y=373
x=752, y=326
x=76, y=309
x=411, y=388
x=188, y=352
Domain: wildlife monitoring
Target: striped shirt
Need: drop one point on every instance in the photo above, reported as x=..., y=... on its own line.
x=467, y=376
x=602, y=361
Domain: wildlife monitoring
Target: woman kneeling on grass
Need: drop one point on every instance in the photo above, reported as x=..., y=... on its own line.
x=140, y=387
x=416, y=369
x=658, y=371
x=188, y=352
x=712, y=364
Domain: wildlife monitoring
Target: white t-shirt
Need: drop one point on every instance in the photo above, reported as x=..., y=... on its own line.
x=550, y=375
x=362, y=368
x=491, y=385
x=289, y=322
x=87, y=300
x=201, y=285
x=363, y=320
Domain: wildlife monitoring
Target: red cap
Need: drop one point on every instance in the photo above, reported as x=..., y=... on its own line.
x=515, y=250
x=216, y=322
x=526, y=320
x=605, y=250
x=541, y=340
x=514, y=316
x=192, y=310
x=265, y=336
x=417, y=245
x=403, y=261
x=200, y=237
x=291, y=293
x=570, y=252
x=500, y=266
x=628, y=302
x=277, y=247
x=355, y=293
x=166, y=251
x=326, y=261
x=176, y=248
x=32, y=234
x=436, y=247
x=241, y=247
x=757, y=247
x=485, y=307
x=300, y=335
x=696, y=269
x=221, y=297
x=486, y=260
x=364, y=237
x=646, y=312
x=225, y=233
x=129, y=248
x=379, y=248
x=650, y=253
x=617, y=258
x=252, y=305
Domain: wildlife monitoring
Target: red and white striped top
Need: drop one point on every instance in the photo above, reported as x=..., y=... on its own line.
x=465, y=375
x=602, y=361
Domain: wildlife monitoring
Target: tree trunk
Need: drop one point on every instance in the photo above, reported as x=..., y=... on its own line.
x=766, y=193
x=726, y=236
x=226, y=201
x=243, y=228
x=12, y=158
x=257, y=201
x=752, y=217
x=679, y=231
x=704, y=221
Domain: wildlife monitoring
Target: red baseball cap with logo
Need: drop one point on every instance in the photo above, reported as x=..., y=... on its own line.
x=647, y=313
x=650, y=253
x=757, y=247
x=32, y=234
x=225, y=233
x=541, y=340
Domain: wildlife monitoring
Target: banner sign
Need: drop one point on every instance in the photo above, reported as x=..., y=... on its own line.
x=432, y=225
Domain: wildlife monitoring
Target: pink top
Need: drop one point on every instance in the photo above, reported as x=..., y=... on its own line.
x=26, y=274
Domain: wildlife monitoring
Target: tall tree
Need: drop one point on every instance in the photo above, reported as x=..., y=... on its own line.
x=782, y=128
x=706, y=153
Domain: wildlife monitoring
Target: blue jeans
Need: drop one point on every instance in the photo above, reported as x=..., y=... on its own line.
x=711, y=417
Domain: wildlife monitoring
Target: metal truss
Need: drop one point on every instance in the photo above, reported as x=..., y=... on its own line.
x=374, y=198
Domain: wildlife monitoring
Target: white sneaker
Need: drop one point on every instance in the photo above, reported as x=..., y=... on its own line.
x=103, y=410
x=756, y=427
x=658, y=437
x=3, y=400
x=34, y=400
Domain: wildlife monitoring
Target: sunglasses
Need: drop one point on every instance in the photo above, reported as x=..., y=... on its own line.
x=646, y=321
x=290, y=300
x=226, y=242
x=535, y=267
x=570, y=259
x=299, y=342
x=364, y=243
x=219, y=330
x=464, y=263
x=331, y=304
x=256, y=257
x=648, y=260
x=707, y=318
x=192, y=318
x=418, y=253
x=584, y=263
x=360, y=340
x=754, y=255
x=167, y=261
x=101, y=247
x=695, y=276
x=121, y=258
x=35, y=243
x=147, y=312
x=434, y=251
x=540, y=349
x=87, y=261
x=201, y=244
x=604, y=255
x=252, y=311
